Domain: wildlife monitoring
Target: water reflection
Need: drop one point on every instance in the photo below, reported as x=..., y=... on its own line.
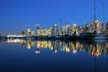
x=95, y=48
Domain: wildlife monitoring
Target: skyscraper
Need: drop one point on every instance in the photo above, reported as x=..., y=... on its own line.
x=29, y=32
x=55, y=30
x=37, y=30
x=107, y=28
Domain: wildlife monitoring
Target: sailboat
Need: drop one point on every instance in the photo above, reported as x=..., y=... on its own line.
x=99, y=28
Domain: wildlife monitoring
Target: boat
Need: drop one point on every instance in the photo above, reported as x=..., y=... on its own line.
x=101, y=37
x=98, y=35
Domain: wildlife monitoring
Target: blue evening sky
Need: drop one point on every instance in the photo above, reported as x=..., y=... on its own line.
x=18, y=15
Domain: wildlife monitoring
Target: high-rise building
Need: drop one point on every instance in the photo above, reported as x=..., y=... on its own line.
x=29, y=32
x=74, y=28
x=37, y=30
x=66, y=29
x=96, y=27
x=106, y=28
x=33, y=33
x=55, y=30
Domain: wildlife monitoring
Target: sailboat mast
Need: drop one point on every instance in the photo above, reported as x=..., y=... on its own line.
x=94, y=10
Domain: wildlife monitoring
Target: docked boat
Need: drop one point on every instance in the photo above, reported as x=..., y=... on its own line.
x=101, y=37
x=85, y=36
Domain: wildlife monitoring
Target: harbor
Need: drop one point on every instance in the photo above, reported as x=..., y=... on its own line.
x=92, y=31
x=53, y=36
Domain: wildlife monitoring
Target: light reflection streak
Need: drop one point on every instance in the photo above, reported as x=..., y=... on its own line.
x=93, y=48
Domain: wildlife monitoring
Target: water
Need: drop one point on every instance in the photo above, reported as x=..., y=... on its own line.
x=53, y=56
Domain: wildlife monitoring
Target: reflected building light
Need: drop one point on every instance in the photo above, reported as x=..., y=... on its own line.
x=37, y=52
x=33, y=43
x=50, y=45
x=22, y=43
x=28, y=47
x=81, y=45
x=72, y=45
x=106, y=46
x=96, y=52
x=44, y=44
x=30, y=44
x=55, y=51
x=61, y=49
x=74, y=51
x=94, y=49
x=77, y=45
x=51, y=48
x=38, y=44
x=13, y=41
x=67, y=50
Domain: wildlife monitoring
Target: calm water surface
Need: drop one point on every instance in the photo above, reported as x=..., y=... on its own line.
x=53, y=56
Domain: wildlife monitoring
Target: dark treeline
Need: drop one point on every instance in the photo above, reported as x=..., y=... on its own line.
x=3, y=37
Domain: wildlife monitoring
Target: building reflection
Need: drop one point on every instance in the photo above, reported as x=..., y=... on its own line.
x=95, y=48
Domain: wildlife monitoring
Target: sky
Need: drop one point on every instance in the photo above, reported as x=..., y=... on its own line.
x=18, y=15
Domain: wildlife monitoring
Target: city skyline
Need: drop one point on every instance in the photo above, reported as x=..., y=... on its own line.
x=18, y=15
x=53, y=36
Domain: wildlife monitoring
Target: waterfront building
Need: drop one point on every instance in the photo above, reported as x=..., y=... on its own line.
x=29, y=32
